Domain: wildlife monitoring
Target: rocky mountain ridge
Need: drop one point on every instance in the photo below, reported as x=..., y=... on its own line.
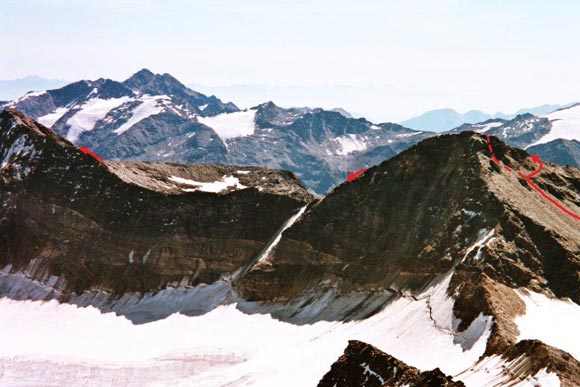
x=122, y=226
x=450, y=236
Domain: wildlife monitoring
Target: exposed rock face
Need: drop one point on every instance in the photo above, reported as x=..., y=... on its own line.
x=364, y=365
x=566, y=152
x=439, y=204
x=121, y=226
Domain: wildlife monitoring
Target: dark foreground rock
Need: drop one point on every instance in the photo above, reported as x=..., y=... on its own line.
x=364, y=365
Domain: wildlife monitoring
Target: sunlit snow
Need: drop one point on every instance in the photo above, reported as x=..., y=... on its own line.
x=93, y=110
x=348, y=144
x=552, y=321
x=220, y=347
x=51, y=118
x=227, y=182
x=482, y=128
x=565, y=124
x=231, y=125
x=150, y=106
x=495, y=371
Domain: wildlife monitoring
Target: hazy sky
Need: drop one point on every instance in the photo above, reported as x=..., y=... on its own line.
x=385, y=59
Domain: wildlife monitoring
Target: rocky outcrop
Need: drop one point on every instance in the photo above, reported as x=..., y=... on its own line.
x=443, y=203
x=364, y=365
x=119, y=226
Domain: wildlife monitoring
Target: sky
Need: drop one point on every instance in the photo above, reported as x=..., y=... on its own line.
x=387, y=60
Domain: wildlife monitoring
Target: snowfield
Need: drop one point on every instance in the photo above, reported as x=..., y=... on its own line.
x=48, y=342
x=565, y=124
x=93, y=110
x=150, y=106
x=51, y=118
x=482, y=128
x=232, y=125
x=552, y=321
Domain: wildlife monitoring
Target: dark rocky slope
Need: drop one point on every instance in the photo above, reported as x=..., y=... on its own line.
x=443, y=206
x=121, y=226
x=364, y=365
x=419, y=214
x=566, y=152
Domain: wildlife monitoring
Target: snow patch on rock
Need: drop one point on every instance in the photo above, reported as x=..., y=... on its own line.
x=227, y=182
x=348, y=144
x=232, y=125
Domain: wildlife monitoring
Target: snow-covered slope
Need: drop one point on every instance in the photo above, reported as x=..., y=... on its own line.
x=109, y=108
x=149, y=106
x=223, y=346
x=88, y=114
x=565, y=124
x=550, y=320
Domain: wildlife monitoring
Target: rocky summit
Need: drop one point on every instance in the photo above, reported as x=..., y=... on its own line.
x=456, y=262
x=442, y=204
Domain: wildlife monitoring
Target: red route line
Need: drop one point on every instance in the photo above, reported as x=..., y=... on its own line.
x=89, y=152
x=528, y=179
x=354, y=175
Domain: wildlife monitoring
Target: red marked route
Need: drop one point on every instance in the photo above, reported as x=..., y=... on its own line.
x=89, y=152
x=528, y=179
x=352, y=176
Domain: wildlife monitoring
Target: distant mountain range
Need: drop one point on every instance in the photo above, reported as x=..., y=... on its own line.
x=14, y=88
x=441, y=120
x=154, y=117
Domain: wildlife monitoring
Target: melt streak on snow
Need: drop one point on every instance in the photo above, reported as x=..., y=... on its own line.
x=222, y=346
x=93, y=110
x=553, y=321
x=565, y=124
x=491, y=371
x=231, y=125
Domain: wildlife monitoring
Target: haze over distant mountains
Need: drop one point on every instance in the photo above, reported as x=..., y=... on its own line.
x=441, y=120
x=14, y=88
